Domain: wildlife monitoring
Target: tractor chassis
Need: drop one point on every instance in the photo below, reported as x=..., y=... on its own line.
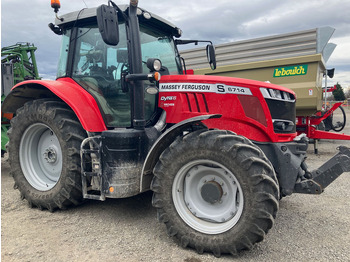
x=113, y=170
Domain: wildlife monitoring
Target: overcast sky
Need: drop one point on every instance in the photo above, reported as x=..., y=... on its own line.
x=220, y=21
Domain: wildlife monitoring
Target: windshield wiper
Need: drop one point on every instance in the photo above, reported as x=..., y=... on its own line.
x=185, y=42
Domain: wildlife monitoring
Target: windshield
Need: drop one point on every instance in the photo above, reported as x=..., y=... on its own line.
x=100, y=69
x=154, y=44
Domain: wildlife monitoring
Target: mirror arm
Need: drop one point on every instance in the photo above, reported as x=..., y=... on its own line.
x=118, y=9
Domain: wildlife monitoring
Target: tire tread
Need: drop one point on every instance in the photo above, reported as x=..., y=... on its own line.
x=261, y=177
x=64, y=119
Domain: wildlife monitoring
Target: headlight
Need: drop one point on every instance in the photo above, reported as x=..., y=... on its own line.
x=154, y=64
x=275, y=93
x=270, y=93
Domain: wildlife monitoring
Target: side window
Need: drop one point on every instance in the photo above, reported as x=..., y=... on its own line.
x=155, y=44
x=117, y=61
x=62, y=63
x=84, y=59
x=98, y=68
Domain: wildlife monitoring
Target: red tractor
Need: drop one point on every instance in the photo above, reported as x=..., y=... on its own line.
x=217, y=152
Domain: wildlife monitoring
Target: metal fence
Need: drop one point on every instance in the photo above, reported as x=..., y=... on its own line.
x=345, y=105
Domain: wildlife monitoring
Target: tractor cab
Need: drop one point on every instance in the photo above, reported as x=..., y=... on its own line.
x=101, y=68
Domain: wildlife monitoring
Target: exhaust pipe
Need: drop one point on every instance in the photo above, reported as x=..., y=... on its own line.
x=134, y=2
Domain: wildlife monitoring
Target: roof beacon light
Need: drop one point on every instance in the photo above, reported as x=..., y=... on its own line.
x=55, y=4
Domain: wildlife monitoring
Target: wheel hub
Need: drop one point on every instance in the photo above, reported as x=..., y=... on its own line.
x=50, y=155
x=211, y=192
x=41, y=157
x=207, y=196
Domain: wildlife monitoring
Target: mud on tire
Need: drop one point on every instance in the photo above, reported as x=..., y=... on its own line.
x=215, y=192
x=44, y=154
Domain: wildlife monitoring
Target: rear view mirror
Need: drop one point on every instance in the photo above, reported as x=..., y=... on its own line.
x=211, y=56
x=107, y=20
x=330, y=72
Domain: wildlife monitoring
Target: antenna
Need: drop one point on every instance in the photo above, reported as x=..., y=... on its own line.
x=85, y=4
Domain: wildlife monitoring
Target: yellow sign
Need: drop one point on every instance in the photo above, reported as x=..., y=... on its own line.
x=290, y=71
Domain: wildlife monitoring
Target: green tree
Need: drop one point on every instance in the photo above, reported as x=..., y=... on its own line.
x=338, y=93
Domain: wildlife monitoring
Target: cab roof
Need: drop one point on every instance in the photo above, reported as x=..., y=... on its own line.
x=89, y=14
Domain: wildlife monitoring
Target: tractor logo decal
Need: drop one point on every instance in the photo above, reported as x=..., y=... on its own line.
x=168, y=98
x=297, y=70
x=200, y=87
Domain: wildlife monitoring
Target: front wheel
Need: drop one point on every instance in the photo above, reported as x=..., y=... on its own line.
x=215, y=191
x=44, y=146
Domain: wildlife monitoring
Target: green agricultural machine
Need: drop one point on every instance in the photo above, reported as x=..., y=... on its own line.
x=17, y=64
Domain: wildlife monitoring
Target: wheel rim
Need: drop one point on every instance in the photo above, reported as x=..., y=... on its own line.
x=40, y=157
x=207, y=196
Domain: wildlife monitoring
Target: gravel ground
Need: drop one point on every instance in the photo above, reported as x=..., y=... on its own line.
x=307, y=228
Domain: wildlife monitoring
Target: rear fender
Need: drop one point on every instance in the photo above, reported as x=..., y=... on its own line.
x=163, y=142
x=66, y=89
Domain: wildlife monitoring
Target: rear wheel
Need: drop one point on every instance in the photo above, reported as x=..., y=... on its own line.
x=215, y=191
x=45, y=138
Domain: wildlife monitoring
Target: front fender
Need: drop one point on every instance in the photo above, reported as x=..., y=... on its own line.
x=78, y=99
x=163, y=142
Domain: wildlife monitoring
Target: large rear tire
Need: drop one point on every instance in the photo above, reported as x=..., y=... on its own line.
x=44, y=154
x=215, y=191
